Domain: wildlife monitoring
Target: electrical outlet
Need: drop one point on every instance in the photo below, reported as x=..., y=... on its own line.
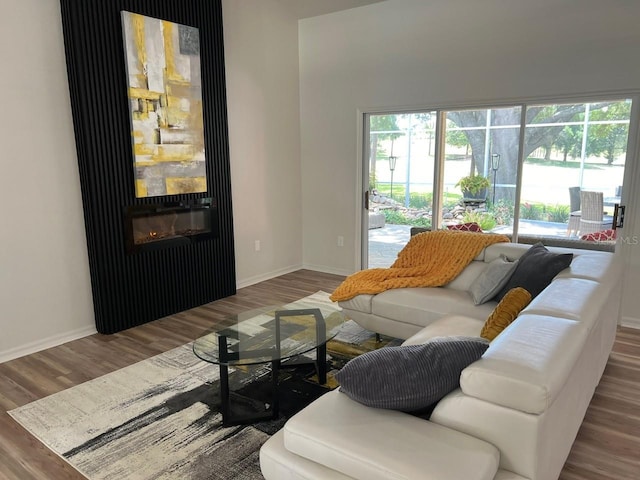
x=340, y=241
x=257, y=245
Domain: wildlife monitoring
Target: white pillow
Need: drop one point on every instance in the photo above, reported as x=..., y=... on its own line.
x=492, y=279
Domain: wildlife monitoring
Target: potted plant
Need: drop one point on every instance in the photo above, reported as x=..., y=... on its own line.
x=474, y=187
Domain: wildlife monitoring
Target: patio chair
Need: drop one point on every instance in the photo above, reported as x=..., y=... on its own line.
x=574, y=216
x=592, y=218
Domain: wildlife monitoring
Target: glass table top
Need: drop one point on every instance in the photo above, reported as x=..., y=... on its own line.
x=270, y=333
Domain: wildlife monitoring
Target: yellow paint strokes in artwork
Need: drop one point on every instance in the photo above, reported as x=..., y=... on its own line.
x=169, y=50
x=143, y=149
x=141, y=188
x=137, y=135
x=144, y=162
x=174, y=153
x=137, y=25
x=173, y=101
x=142, y=93
x=140, y=116
x=196, y=123
x=177, y=117
x=177, y=185
x=170, y=53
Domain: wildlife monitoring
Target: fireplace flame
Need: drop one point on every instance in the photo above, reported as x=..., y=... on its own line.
x=163, y=226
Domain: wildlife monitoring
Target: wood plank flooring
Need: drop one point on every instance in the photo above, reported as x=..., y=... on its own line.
x=607, y=447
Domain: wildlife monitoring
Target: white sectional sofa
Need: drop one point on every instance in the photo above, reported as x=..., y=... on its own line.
x=517, y=410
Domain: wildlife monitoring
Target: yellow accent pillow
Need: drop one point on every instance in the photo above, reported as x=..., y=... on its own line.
x=505, y=312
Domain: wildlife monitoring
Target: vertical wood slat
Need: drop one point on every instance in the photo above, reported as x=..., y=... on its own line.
x=129, y=290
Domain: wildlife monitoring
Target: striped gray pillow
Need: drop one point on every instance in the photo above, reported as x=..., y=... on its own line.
x=410, y=377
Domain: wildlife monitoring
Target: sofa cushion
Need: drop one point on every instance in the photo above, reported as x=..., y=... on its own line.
x=492, y=279
x=505, y=312
x=574, y=298
x=361, y=303
x=410, y=377
x=600, y=266
x=448, y=326
x=527, y=365
x=374, y=444
x=535, y=270
x=516, y=250
x=278, y=463
x=421, y=306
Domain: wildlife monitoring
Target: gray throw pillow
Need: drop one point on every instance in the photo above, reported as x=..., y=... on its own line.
x=492, y=279
x=536, y=268
x=410, y=377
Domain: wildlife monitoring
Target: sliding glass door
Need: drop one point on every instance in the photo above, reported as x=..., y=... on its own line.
x=531, y=163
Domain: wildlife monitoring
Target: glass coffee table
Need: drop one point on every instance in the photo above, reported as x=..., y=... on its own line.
x=268, y=335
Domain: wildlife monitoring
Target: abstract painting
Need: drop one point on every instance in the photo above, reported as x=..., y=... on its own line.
x=165, y=98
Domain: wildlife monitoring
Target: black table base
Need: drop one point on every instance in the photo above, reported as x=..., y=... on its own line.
x=266, y=411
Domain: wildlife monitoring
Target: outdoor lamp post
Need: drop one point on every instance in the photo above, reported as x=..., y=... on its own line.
x=495, y=164
x=392, y=167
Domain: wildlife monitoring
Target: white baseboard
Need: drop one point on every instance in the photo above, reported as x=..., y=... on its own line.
x=630, y=322
x=325, y=269
x=245, y=282
x=45, y=343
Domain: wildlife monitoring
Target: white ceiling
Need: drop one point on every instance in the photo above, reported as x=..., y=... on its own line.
x=312, y=8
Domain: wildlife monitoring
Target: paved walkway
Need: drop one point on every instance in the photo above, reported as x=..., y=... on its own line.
x=386, y=242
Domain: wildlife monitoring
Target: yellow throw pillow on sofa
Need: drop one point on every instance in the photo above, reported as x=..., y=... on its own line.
x=505, y=312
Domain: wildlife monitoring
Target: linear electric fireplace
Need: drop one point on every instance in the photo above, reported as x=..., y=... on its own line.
x=170, y=224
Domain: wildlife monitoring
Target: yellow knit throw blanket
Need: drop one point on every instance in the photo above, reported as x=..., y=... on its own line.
x=429, y=259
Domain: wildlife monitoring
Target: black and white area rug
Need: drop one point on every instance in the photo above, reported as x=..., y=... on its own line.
x=159, y=419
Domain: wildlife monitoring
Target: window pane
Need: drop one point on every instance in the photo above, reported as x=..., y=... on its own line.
x=401, y=181
x=571, y=147
x=481, y=143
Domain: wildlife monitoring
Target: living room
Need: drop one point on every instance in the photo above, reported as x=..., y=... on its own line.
x=296, y=89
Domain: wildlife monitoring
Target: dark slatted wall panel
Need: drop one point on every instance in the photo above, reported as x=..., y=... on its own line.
x=132, y=289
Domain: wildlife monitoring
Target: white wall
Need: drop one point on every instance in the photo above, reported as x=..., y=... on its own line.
x=261, y=50
x=412, y=53
x=45, y=292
